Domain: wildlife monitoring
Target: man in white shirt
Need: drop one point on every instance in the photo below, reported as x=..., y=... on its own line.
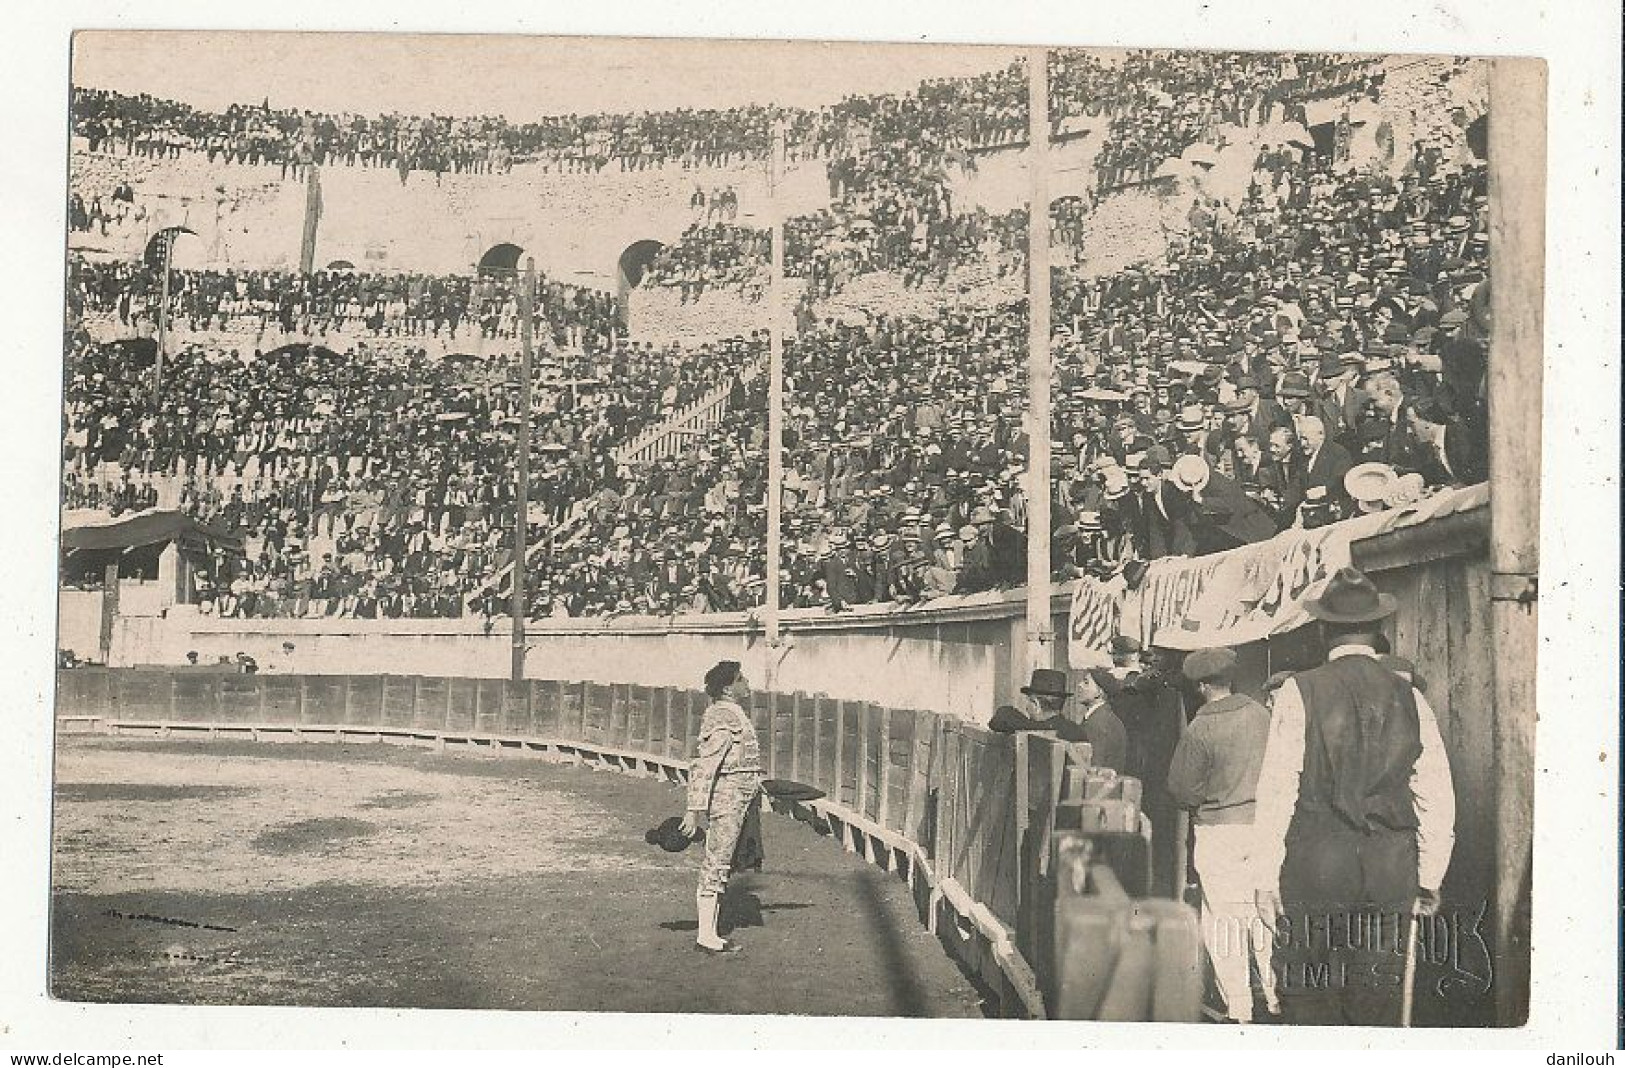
x=1214, y=773
x=1355, y=821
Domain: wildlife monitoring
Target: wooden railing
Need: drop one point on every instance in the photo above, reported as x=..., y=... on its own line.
x=674, y=433
x=974, y=821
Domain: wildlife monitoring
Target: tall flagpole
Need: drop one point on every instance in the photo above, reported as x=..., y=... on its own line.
x=1040, y=629
x=522, y=469
x=775, y=393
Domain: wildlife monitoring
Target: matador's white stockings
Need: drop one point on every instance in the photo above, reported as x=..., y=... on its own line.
x=707, y=906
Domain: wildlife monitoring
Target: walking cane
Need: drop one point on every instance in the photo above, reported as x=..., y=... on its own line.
x=1408, y=984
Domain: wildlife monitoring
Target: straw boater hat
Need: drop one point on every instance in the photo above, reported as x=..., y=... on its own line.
x=1350, y=597
x=1370, y=484
x=1190, y=473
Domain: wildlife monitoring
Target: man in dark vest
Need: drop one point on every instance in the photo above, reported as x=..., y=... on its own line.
x=1356, y=816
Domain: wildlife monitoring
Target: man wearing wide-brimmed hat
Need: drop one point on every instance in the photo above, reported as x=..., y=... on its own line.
x=1355, y=818
x=1089, y=719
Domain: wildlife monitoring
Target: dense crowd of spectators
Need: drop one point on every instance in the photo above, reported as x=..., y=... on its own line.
x=891, y=199
x=706, y=257
x=295, y=304
x=386, y=478
x=1315, y=351
x=984, y=110
x=1201, y=406
x=1162, y=103
x=94, y=216
x=981, y=111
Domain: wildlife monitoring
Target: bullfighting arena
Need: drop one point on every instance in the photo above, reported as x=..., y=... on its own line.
x=417, y=469
x=234, y=872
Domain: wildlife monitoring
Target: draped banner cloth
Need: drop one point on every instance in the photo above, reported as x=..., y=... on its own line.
x=1240, y=596
x=1235, y=597
x=1097, y=609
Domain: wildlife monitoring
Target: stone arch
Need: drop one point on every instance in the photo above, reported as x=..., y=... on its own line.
x=153, y=254
x=633, y=262
x=501, y=259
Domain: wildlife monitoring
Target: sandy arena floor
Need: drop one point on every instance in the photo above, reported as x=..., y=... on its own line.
x=319, y=874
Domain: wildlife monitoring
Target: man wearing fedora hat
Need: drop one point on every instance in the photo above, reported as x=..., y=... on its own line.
x=1343, y=404
x=1217, y=515
x=1355, y=817
x=1088, y=719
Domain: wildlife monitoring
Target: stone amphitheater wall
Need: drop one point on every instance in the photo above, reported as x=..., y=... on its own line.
x=575, y=225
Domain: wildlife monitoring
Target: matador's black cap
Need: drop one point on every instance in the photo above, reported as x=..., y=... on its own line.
x=668, y=835
x=721, y=676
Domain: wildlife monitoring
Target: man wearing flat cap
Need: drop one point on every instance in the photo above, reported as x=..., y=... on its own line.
x=1214, y=773
x=724, y=789
x=1355, y=820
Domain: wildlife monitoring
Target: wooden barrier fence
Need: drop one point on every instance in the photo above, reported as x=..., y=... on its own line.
x=967, y=817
